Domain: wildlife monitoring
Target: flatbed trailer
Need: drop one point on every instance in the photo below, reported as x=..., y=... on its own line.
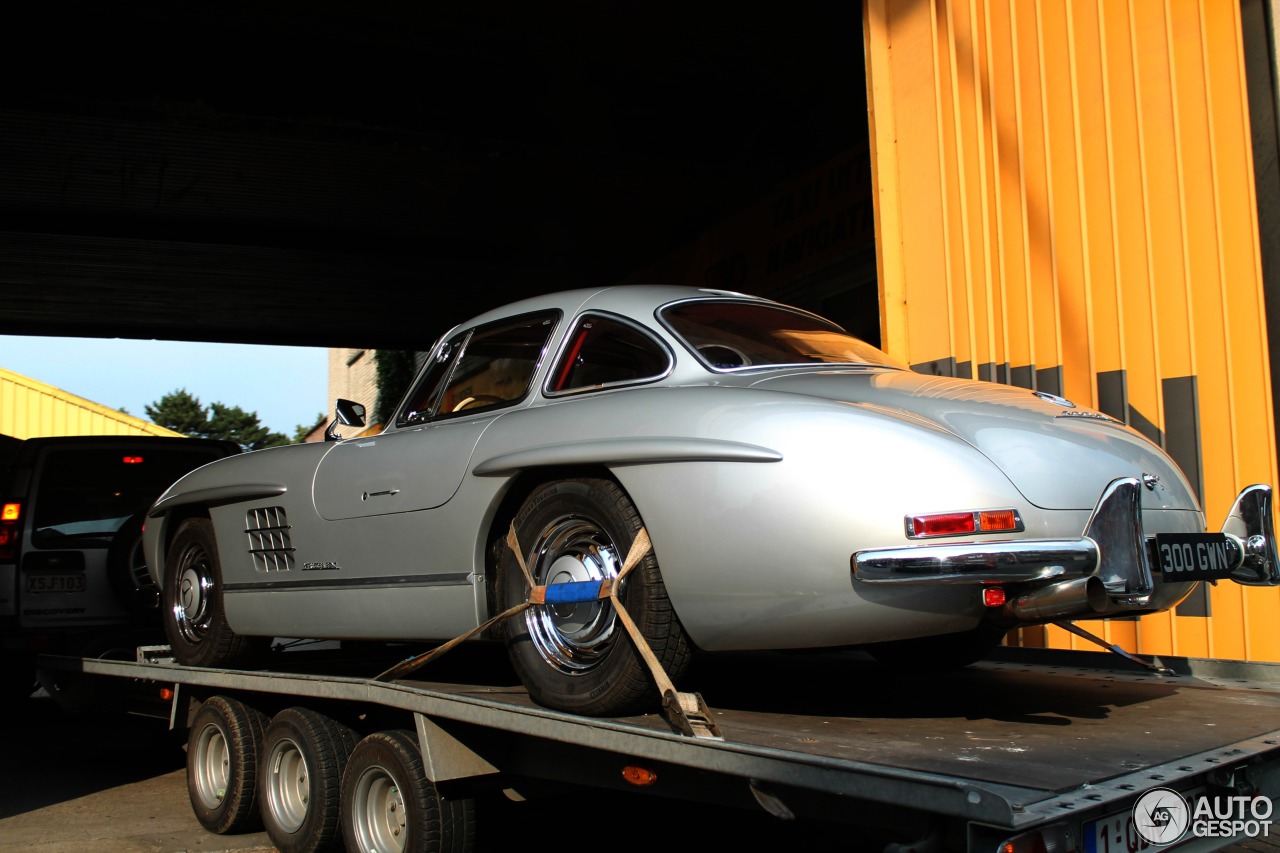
x=1031, y=750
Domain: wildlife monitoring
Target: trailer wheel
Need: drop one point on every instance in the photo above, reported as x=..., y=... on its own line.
x=223, y=749
x=389, y=806
x=191, y=601
x=300, y=787
x=579, y=657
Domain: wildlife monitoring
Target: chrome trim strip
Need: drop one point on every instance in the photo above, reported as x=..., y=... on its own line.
x=1116, y=526
x=979, y=562
x=451, y=579
x=1250, y=522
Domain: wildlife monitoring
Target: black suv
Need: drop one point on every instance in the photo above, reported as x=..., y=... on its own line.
x=72, y=576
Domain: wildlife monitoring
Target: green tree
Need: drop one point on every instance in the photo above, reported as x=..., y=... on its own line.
x=301, y=431
x=241, y=427
x=181, y=411
x=394, y=372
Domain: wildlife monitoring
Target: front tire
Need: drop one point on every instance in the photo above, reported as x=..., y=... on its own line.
x=579, y=657
x=194, y=620
x=300, y=786
x=389, y=806
x=223, y=749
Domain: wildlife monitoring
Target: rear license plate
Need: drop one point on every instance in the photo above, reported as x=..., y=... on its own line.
x=1196, y=556
x=40, y=584
x=1116, y=833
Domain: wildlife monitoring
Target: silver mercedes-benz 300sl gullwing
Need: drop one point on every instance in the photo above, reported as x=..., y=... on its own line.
x=674, y=470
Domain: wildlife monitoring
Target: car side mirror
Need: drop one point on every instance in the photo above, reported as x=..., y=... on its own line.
x=347, y=413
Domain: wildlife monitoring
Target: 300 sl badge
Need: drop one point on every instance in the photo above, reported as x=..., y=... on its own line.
x=321, y=567
x=1090, y=415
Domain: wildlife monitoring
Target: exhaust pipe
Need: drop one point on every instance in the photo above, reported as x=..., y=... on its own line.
x=1073, y=599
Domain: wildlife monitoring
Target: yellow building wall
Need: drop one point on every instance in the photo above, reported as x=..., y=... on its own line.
x=1064, y=191
x=31, y=409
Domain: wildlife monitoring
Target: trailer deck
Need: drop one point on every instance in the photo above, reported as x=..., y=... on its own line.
x=1027, y=738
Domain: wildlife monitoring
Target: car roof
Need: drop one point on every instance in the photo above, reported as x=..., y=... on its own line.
x=636, y=300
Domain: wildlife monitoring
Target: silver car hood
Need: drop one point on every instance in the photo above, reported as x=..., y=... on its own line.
x=1058, y=458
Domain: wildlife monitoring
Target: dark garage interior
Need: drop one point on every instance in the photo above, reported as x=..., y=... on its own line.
x=297, y=173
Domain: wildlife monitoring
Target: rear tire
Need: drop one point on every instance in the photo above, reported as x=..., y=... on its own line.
x=194, y=620
x=579, y=657
x=300, y=787
x=389, y=805
x=223, y=750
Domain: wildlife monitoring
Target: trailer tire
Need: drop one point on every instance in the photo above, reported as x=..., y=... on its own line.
x=223, y=751
x=579, y=657
x=300, y=786
x=191, y=600
x=389, y=804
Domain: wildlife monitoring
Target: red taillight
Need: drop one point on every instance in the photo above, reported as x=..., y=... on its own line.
x=132, y=460
x=10, y=514
x=1055, y=838
x=993, y=596
x=944, y=524
x=962, y=523
x=641, y=776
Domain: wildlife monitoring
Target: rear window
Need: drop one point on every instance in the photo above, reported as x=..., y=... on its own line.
x=732, y=335
x=603, y=352
x=82, y=496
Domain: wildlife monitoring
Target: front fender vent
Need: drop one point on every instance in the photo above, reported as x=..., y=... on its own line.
x=269, y=543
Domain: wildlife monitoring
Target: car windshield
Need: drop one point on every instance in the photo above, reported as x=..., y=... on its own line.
x=728, y=335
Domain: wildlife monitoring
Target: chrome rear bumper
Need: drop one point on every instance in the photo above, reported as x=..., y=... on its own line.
x=1107, y=571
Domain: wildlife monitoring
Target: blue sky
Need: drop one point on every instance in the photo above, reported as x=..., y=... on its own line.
x=286, y=386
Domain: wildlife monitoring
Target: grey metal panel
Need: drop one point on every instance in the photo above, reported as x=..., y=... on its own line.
x=1182, y=428
x=937, y=367
x=1049, y=379
x=1023, y=377
x=1197, y=604
x=1113, y=394
x=1144, y=425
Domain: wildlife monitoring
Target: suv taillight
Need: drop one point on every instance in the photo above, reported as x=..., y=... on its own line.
x=10, y=527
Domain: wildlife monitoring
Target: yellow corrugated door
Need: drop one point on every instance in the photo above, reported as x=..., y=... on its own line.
x=1065, y=201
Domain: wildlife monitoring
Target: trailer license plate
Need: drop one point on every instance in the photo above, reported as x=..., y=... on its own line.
x=40, y=584
x=1196, y=556
x=1116, y=833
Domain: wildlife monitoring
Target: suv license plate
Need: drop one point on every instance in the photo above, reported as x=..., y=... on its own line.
x=41, y=584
